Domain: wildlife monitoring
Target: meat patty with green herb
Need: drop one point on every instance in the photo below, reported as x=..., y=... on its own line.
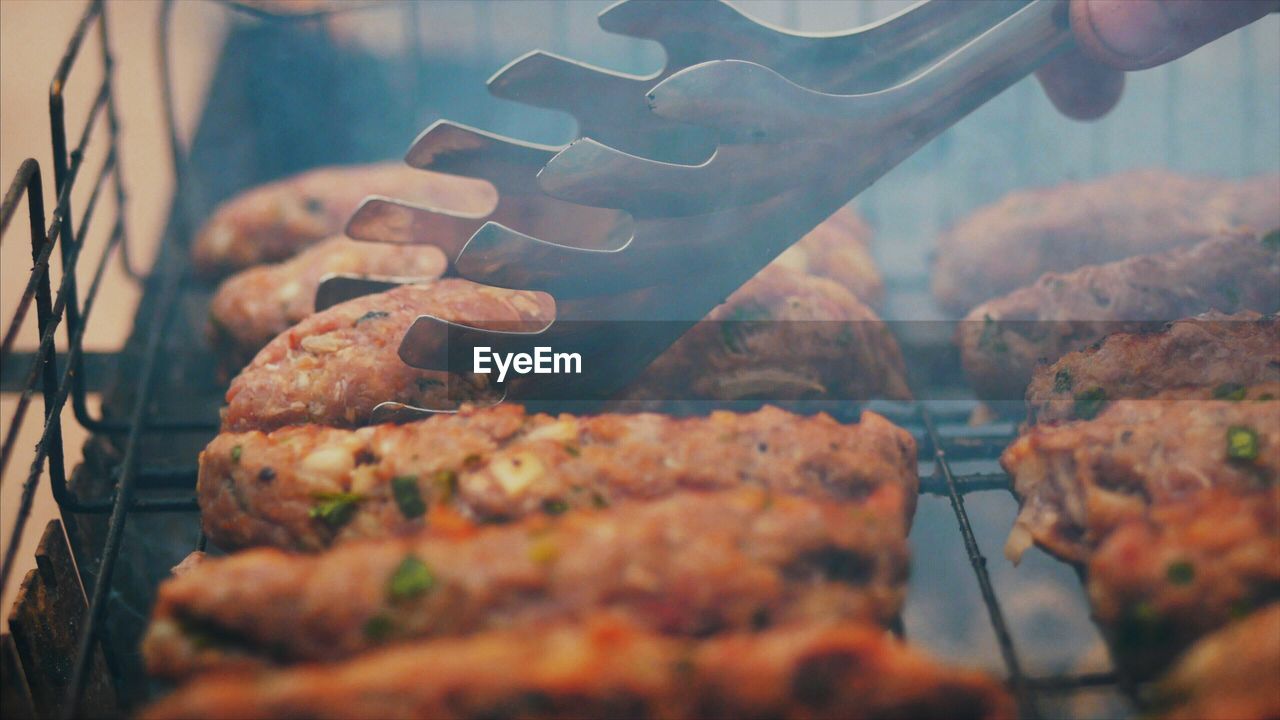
x=1003, y=340
x=1078, y=481
x=335, y=367
x=307, y=487
x=689, y=564
x=608, y=668
x=1212, y=356
x=1157, y=583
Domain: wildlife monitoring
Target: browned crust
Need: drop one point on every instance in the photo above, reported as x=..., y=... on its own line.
x=1078, y=481
x=1159, y=582
x=335, y=366
x=253, y=306
x=274, y=221
x=690, y=564
x=1003, y=340
x=1212, y=353
x=1010, y=243
x=606, y=668
x=499, y=463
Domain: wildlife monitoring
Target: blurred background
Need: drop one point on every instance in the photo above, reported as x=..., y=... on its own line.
x=403, y=65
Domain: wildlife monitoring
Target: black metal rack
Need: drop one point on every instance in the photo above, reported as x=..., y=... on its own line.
x=160, y=407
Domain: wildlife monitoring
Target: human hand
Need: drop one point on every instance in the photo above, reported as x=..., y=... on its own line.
x=1114, y=36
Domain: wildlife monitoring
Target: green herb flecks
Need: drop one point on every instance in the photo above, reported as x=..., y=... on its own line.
x=1180, y=572
x=404, y=488
x=1242, y=443
x=572, y=450
x=236, y=452
x=1229, y=391
x=598, y=500
x=378, y=628
x=371, y=315
x=335, y=509
x=554, y=506
x=446, y=482
x=1062, y=381
x=1089, y=403
x=411, y=579
x=990, y=340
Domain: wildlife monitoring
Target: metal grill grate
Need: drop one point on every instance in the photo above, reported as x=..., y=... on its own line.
x=146, y=374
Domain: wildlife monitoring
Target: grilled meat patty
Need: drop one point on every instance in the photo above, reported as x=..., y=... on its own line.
x=308, y=486
x=608, y=668
x=1229, y=674
x=784, y=335
x=274, y=221
x=689, y=564
x=334, y=367
x=1220, y=355
x=1079, y=481
x=808, y=336
x=253, y=306
x=1010, y=243
x=1002, y=340
x=1157, y=583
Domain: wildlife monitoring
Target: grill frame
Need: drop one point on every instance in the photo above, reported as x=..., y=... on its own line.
x=131, y=421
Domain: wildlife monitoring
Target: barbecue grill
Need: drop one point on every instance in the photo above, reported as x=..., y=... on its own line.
x=128, y=511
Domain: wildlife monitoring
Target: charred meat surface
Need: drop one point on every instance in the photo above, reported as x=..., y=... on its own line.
x=307, y=487
x=784, y=335
x=608, y=668
x=274, y=221
x=253, y=306
x=1078, y=481
x=1003, y=340
x=1229, y=674
x=689, y=564
x=334, y=367
x=1159, y=582
x=1010, y=243
x=1220, y=356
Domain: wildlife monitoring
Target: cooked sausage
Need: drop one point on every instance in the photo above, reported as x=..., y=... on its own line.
x=252, y=307
x=607, y=668
x=1219, y=355
x=307, y=486
x=336, y=366
x=690, y=564
x=1010, y=243
x=1002, y=340
x=274, y=221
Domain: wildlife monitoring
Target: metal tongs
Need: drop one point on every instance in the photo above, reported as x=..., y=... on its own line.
x=684, y=185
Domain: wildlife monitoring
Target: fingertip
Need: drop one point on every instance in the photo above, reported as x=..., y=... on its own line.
x=1079, y=87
